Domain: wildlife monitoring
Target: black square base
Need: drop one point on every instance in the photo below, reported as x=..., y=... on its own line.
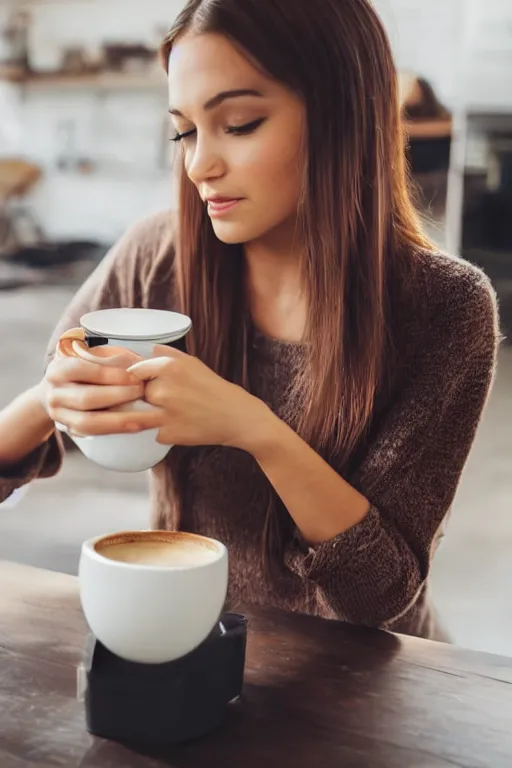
x=157, y=705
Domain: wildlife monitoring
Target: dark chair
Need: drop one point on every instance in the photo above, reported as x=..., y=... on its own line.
x=429, y=155
x=429, y=161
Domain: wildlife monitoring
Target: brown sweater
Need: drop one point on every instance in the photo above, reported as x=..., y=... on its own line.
x=376, y=573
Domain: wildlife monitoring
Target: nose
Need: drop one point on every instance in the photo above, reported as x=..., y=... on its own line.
x=205, y=161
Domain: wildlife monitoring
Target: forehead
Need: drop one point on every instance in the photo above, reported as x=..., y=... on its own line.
x=200, y=66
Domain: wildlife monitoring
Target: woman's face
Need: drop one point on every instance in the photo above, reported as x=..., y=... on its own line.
x=242, y=138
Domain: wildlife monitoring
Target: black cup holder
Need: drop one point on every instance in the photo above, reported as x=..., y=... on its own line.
x=158, y=705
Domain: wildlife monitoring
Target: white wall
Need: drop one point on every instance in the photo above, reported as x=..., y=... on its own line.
x=488, y=62
x=10, y=118
x=90, y=22
x=124, y=132
x=427, y=37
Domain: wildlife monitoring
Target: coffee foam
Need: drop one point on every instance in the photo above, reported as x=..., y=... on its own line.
x=159, y=549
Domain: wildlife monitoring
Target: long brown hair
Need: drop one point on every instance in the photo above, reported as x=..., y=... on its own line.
x=356, y=223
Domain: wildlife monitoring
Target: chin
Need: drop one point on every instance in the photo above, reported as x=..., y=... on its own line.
x=234, y=234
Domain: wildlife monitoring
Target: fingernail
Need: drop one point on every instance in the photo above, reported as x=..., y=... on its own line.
x=132, y=427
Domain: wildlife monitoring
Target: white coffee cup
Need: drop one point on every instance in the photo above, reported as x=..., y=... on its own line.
x=115, y=330
x=153, y=613
x=135, y=329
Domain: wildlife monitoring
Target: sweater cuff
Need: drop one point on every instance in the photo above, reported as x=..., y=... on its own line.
x=44, y=461
x=318, y=563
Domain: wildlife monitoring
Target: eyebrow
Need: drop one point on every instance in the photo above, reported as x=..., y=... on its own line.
x=221, y=97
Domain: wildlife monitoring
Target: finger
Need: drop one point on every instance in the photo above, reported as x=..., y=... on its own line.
x=93, y=397
x=72, y=370
x=160, y=350
x=65, y=345
x=73, y=334
x=91, y=423
x=150, y=369
x=113, y=356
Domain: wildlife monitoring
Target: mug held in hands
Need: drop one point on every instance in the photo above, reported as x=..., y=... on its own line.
x=121, y=338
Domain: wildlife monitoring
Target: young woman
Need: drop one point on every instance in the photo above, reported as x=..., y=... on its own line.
x=338, y=366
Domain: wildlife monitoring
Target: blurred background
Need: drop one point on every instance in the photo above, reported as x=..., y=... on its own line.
x=84, y=153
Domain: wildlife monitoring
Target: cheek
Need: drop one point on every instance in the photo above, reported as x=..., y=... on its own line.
x=187, y=159
x=275, y=169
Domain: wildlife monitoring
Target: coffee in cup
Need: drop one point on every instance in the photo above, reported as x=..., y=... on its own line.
x=178, y=552
x=152, y=596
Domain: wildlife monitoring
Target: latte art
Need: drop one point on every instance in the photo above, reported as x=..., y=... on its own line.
x=181, y=553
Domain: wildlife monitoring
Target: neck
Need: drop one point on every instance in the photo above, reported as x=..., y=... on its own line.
x=274, y=289
x=271, y=272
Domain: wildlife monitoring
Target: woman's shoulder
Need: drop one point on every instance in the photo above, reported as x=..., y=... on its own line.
x=153, y=230
x=453, y=274
x=455, y=298
x=141, y=259
x=146, y=242
x=130, y=275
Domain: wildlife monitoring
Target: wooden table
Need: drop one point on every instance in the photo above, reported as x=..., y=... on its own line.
x=318, y=694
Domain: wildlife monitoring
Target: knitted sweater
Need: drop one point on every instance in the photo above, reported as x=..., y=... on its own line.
x=376, y=573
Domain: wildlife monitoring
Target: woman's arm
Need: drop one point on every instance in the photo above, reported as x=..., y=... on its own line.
x=305, y=482
x=29, y=445
x=24, y=426
x=374, y=556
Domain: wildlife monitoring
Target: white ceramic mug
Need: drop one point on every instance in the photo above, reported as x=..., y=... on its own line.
x=122, y=337
x=136, y=329
x=152, y=614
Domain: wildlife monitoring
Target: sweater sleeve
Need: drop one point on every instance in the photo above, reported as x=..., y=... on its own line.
x=120, y=280
x=373, y=573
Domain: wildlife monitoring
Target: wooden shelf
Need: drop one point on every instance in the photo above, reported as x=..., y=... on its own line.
x=104, y=81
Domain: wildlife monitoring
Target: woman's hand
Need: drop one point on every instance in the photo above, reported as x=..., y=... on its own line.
x=200, y=407
x=79, y=394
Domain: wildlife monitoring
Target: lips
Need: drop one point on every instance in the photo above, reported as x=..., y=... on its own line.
x=219, y=205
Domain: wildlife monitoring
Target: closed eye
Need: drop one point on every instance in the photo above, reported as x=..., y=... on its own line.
x=243, y=130
x=234, y=130
x=181, y=136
